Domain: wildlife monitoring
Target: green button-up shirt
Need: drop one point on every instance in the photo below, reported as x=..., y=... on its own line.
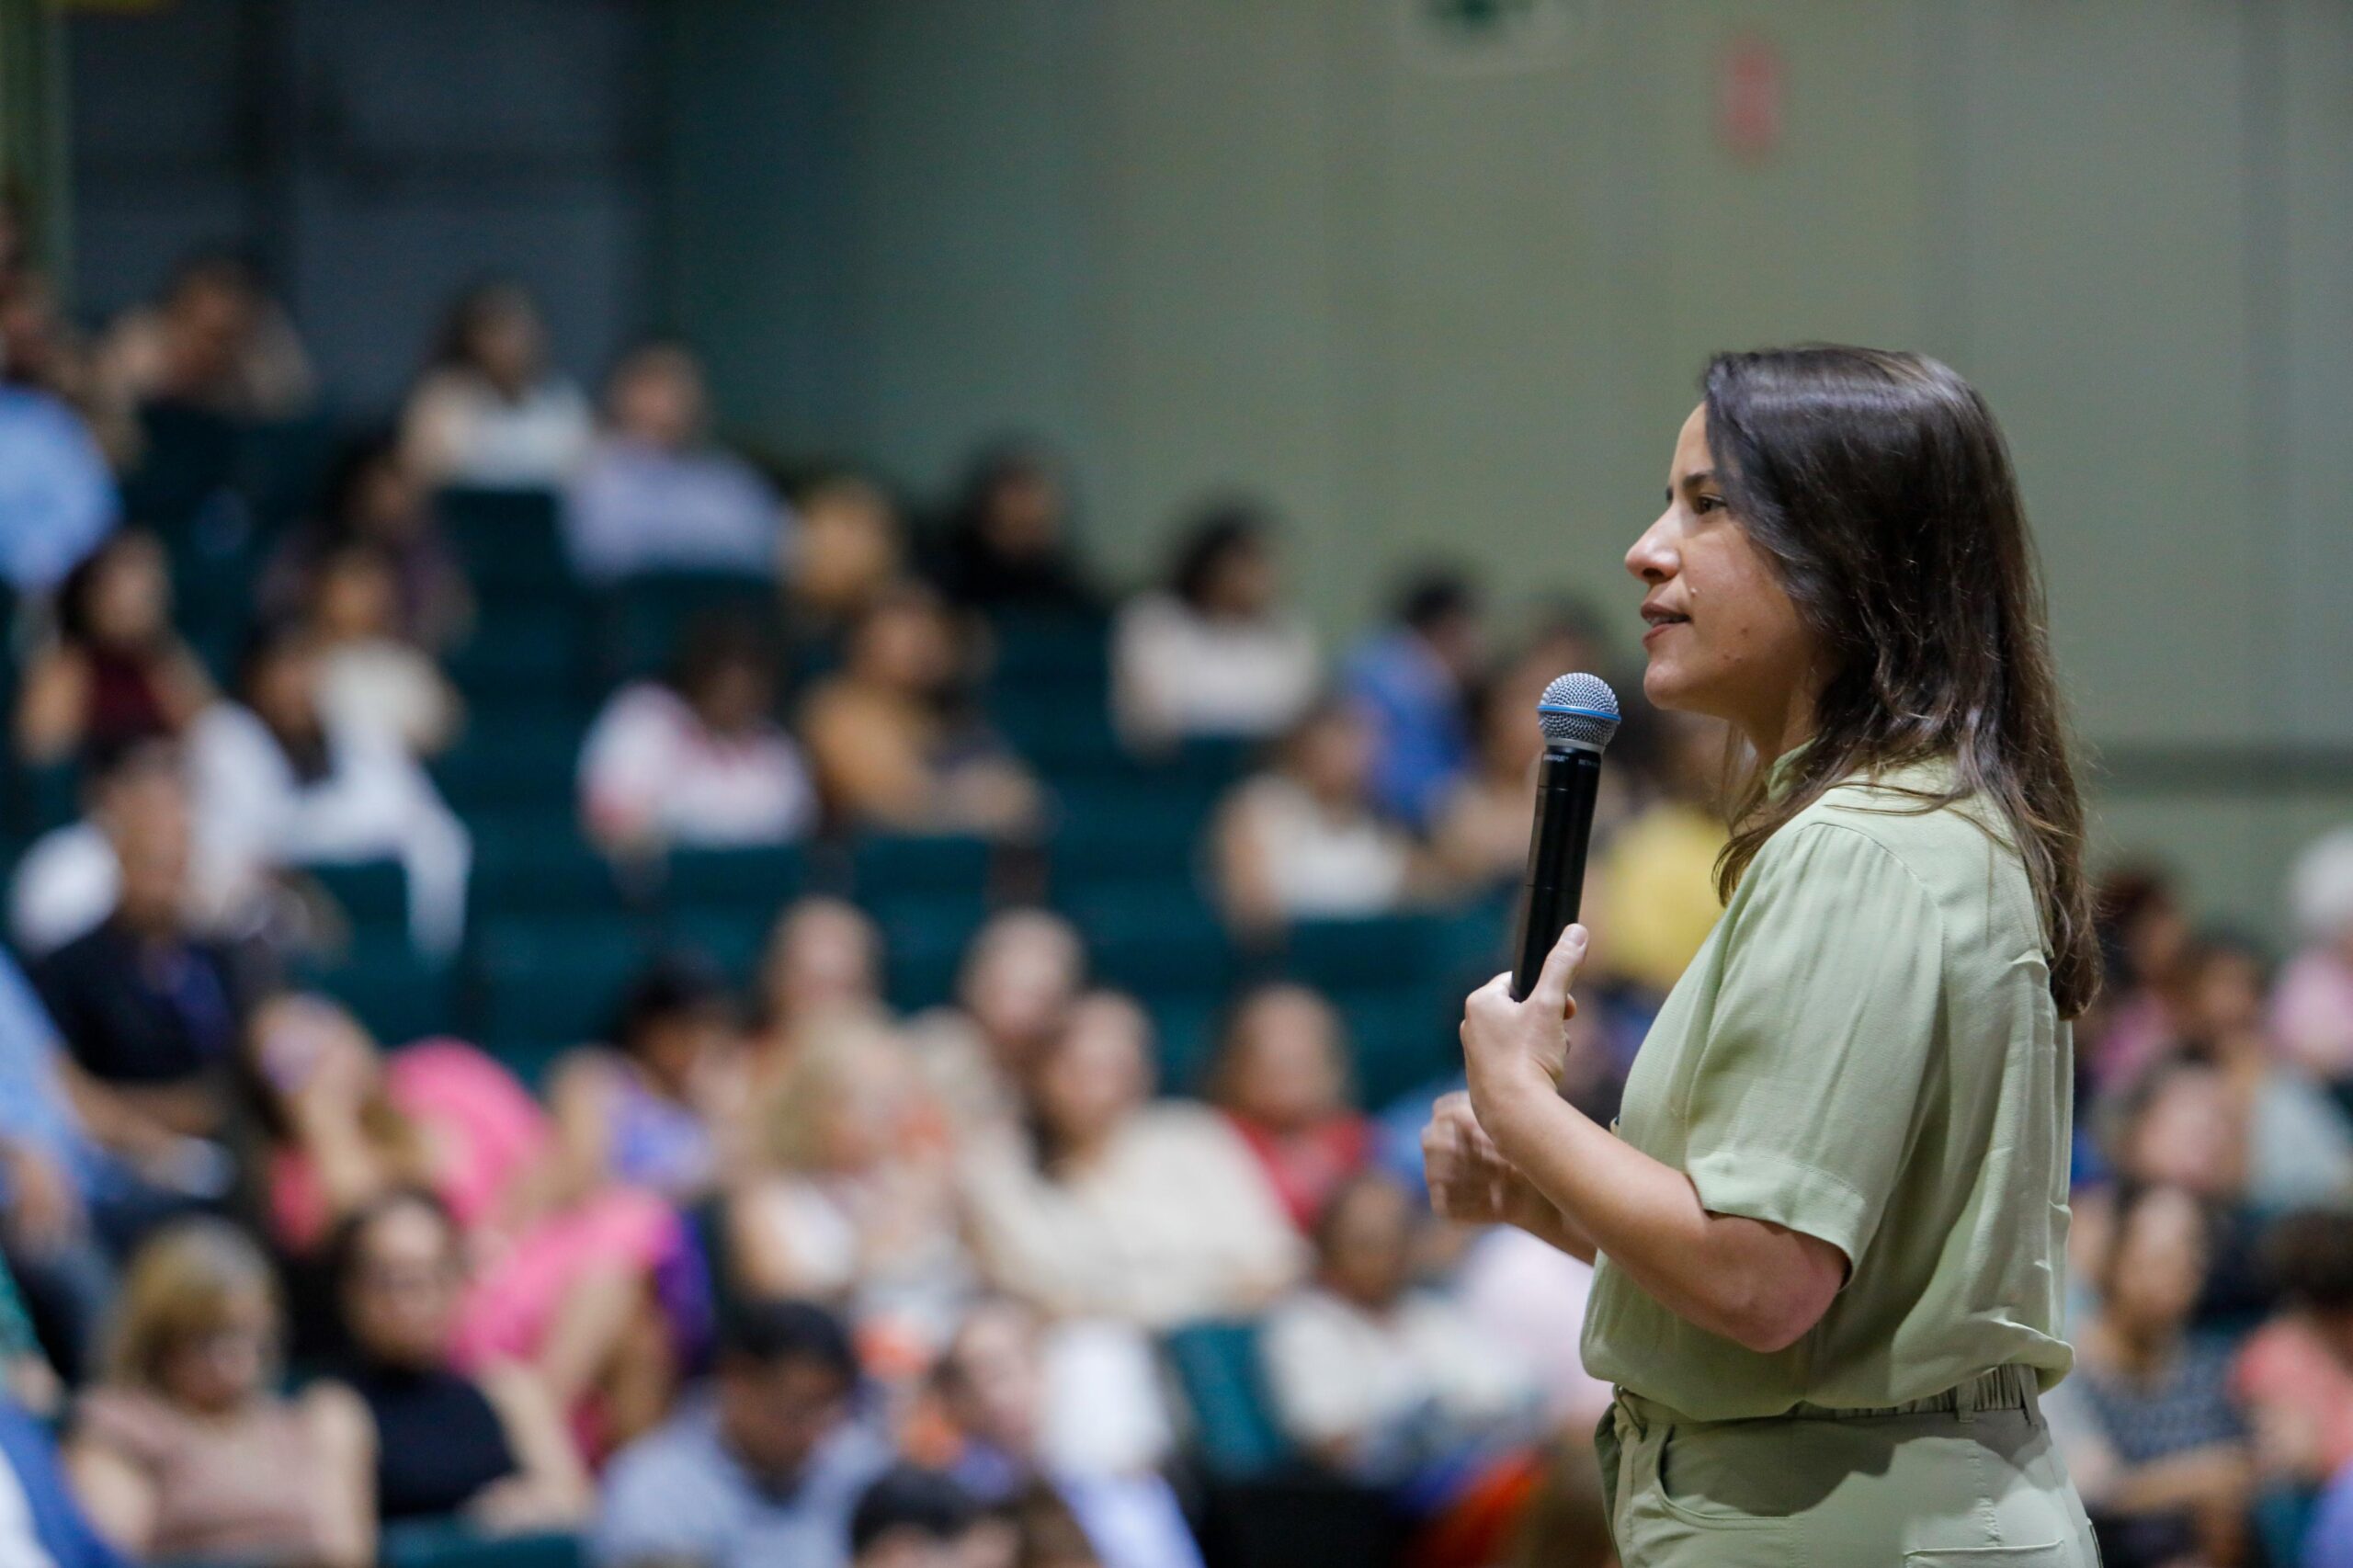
x=1866, y=1049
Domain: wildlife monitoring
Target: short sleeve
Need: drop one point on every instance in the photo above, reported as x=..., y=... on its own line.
x=1826, y=1021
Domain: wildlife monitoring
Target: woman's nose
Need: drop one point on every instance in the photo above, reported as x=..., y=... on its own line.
x=1649, y=558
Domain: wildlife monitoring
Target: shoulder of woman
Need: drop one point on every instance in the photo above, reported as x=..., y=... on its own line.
x=133, y=1422
x=335, y=1418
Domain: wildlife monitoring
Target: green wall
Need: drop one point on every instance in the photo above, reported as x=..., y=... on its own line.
x=1427, y=310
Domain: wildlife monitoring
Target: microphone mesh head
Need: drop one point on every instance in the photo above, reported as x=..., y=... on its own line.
x=1579, y=710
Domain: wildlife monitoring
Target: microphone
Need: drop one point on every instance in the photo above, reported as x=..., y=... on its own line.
x=1579, y=715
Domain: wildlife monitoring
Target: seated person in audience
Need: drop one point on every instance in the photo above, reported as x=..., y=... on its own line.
x=911, y=1517
x=1385, y=1385
x=57, y=498
x=1281, y=1078
x=653, y=495
x=370, y=678
x=2328, y=1540
x=374, y=501
x=215, y=341
x=696, y=760
x=147, y=1004
x=2180, y=1125
x=1411, y=680
x=851, y=1198
x=2145, y=1420
x=2311, y=1011
x=646, y=1112
x=188, y=1450
x=1656, y=876
x=116, y=672
x=897, y=744
x=765, y=1470
x=847, y=548
x=1008, y=546
x=279, y=783
x=1019, y=976
x=563, y=1284
x=1006, y=1436
x=1214, y=653
x=1302, y=840
x=1116, y=1205
x=2294, y=1375
x=822, y=962
x=2299, y=1148
x=1480, y=838
x=68, y=880
x=2146, y=934
x=490, y=1446
x=489, y=412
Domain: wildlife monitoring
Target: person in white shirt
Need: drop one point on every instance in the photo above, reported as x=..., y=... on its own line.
x=371, y=675
x=489, y=412
x=1301, y=840
x=277, y=784
x=69, y=879
x=654, y=495
x=1375, y=1378
x=696, y=760
x=1215, y=654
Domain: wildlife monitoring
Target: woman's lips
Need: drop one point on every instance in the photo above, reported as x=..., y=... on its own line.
x=1658, y=627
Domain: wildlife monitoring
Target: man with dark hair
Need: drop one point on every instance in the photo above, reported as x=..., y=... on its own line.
x=912, y=1518
x=1411, y=681
x=766, y=1469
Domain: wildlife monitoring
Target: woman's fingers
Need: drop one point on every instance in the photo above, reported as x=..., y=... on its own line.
x=1560, y=975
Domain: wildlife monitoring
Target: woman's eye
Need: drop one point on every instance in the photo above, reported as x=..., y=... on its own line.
x=1706, y=504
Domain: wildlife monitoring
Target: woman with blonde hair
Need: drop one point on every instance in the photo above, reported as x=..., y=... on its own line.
x=186, y=1451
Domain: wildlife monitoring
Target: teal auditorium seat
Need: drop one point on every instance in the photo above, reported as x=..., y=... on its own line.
x=511, y=757
x=523, y=659
x=923, y=938
x=398, y=993
x=451, y=1543
x=1164, y=944
x=512, y=546
x=1217, y=1368
x=186, y=457
x=645, y=619
x=760, y=880
x=372, y=894
x=885, y=865
x=549, y=981
x=533, y=861
x=1400, y=1039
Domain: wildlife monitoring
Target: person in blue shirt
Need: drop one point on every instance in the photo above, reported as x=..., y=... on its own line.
x=40, y=1522
x=1411, y=680
x=57, y=498
x=765, y=1470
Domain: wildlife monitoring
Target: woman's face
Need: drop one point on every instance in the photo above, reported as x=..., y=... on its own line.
x=1724, y=636
x=846, y=550
x=283, y=690
x=1096, y=1074
x=1024, y=517
x=130, y=600
x=2159, y=1263
x=1023, y=980
x=2187, y=1136
x=358, y=600
x=999, y=1386
x=1368, y=1246
x=507, y=344
x=733, y=697
x=864, y=1108
x=1243, y=582
x=905, y=648
x=226, y=1365
x=1287, y=1075
x=386, y=502
x=402, y=1291
x=823, y=958
x=1333, y=756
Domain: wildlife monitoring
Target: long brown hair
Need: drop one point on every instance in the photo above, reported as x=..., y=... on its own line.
x=1881, y=488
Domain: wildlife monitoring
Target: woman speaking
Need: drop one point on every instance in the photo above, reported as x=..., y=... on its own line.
x=1831, y=1224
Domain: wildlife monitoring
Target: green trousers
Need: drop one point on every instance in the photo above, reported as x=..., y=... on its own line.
x=1966, y=1480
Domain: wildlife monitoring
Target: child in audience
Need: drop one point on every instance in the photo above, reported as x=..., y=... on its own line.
x=1303, y=841
x=371, y=676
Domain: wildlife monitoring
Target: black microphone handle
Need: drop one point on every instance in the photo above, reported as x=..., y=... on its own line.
x=1566, y=786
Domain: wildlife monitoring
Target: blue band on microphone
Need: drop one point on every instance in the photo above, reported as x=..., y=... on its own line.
x=1575, y=712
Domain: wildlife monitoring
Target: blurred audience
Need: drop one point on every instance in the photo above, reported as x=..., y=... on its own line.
x=897, y=744
x=847, y=548
x=489, y=1448
x=278, y=782
x=653, y=1109
x=562, y=1283
x=696, y=761
x=1020, y=973
x=822, y=962
x=117, y=671
x=489, y=411
x=2145, y=936
x=1008, y=546
x=1480, y=835
x=57, y=498
x=1412, y=681
x=373, y=498
x=911, y=1517
x=1385, y=1385
x=2312, y=1009
x=188, y=1450
x=69, y=879
x=653, y=495
x=1214, y=652
x=214, y=341
x=1151, y=1212
x=2294, y=1375
x=371, y=677
x=1304, y=841
x=2145, y=1421
x=1655, y=881
x=45, y=1524
x=764, y=1469
x=1281, y=1078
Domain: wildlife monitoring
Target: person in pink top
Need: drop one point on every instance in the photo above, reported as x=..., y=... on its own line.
x=2311, y=1007
x=2294, y=1377
x=561, y=1280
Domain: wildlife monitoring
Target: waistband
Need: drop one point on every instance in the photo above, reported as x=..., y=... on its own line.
x=2010, y=1387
